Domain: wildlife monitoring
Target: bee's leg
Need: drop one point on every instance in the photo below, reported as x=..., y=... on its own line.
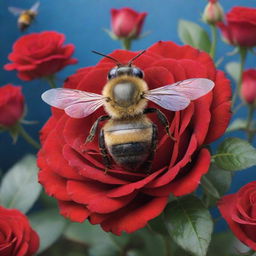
x=150, y=159
x=161, y=116
x=94, y=128
x=105, y=156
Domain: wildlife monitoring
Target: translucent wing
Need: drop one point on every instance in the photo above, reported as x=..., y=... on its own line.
x=177, y=96
x=77, y=104
x=15, y=11
x=35, y=7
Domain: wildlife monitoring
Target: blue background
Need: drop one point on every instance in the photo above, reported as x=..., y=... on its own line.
x=82, y=21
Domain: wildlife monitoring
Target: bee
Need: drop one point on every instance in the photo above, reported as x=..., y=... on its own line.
x=128, y=137
x=26, y=17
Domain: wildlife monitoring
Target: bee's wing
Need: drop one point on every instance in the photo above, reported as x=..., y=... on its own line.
x=177, y=96
x=15, y=11
x=77, y=104
x=35, y=7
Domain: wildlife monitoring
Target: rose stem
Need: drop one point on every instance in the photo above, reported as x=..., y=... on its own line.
x=243, y=53
x=126, y=44
x=51, y=81
x=214, y=41
x=249, y=121
x=27, y=137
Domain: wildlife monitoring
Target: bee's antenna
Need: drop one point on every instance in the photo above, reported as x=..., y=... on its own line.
x=116, y=61
x=134, y=58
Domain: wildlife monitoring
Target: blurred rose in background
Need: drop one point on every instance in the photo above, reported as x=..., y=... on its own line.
x=11, y=105
x=40, y=55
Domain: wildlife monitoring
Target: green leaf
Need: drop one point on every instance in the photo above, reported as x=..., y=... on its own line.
x=240, y=125
x=189, y=224
x=233, y=69
x=194, y=35
x=209, y=188
x=158, y=225
x=49, y=225
x=222, y=244
x=20, y=188
x=235, y=154
x=144, y=242
x=216, y=182
x=219, y=178
x=111, y=34
x=236, y=125
x=98, y=241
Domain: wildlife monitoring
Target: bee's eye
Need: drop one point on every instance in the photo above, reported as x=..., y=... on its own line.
x=112, y=73
x=137, y=72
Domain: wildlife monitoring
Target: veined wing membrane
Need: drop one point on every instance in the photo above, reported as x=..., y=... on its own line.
x=177, y=96
x=76, y=103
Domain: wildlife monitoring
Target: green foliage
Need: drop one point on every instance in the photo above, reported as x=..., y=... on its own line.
x=148, y=243
x=233, y=69
x=20, y=188
x=237, y=125
x=189, y=224
x=49, y=225
x=158, y=225
x=97, y=241
x=235, y=154
x=192, y=34
x=222, y=244
x=215, y=184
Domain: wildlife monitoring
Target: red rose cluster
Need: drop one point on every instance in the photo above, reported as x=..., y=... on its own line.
x=17, y=238
x=40, y=55
x=239, y=210
x=73, y=172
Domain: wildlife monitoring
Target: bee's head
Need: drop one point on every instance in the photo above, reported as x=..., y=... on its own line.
x=125, y=95
x=125, y=70
x=125, y=88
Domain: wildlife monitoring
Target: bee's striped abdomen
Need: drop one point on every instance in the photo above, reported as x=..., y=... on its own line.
x=129, y=142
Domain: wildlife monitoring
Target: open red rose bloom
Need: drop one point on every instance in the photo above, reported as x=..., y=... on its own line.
x=17, y=238
x=39, y=55
x=239, y=211
x=73, y=173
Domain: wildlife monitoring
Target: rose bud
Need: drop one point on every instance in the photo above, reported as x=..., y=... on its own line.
x=239, y=211
x=248, y=89
x=213, y=12
x=11, y=105
x=40, y=55
x=17, y=236
x=121, y=200
x=240, y=27
x=126, y=25
x=126, y=22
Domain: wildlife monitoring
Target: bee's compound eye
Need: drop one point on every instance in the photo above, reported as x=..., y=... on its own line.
x=137, y=72
x=112, y=73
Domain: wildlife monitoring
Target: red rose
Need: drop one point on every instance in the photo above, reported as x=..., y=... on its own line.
x=17, y=236
x=39, y=55
x=127, y=23
x=11, y=105
x=240, y=28
x=73, y=172
x=248, y=90
x=239, y=211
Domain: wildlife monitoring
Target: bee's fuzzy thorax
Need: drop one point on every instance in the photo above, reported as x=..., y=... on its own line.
x=116, y=111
